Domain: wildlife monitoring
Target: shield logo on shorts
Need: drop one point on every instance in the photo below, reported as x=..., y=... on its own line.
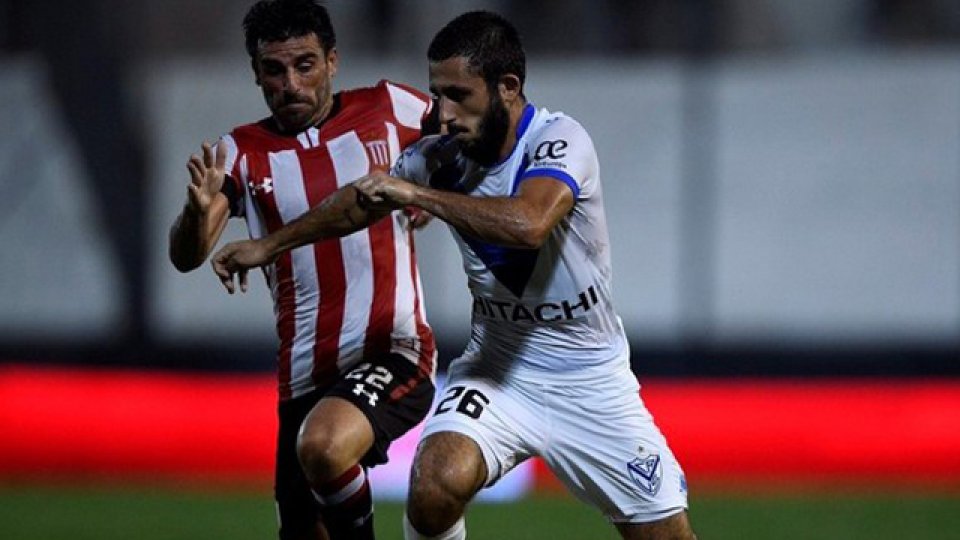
x=647, y=473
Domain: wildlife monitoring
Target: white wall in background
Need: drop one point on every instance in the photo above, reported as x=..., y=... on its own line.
x=57, y=268
x=837, y=212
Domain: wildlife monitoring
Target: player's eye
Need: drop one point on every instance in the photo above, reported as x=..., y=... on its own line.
x=305, y=67
x=455, y=94
x=271, y=68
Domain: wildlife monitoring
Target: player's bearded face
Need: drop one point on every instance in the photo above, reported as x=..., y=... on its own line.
x=491, y=133
x=296, y=79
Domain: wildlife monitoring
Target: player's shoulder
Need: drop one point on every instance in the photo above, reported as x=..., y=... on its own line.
x=414, y=157
x=402, y=89
x=558, y=134
x=253, y=128
x=405, y=104
x=427, y=144
x=549, y=123
x=384, y=90
x=255, y=134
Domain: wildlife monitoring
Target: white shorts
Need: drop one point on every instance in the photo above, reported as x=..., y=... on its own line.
x=590, y=427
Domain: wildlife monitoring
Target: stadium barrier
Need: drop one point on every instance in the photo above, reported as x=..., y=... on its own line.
x=83, y=424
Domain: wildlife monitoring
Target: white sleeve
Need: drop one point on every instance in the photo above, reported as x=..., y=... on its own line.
x=412, y=163
x=564, y=151
x=228, y=140
x=233, y=187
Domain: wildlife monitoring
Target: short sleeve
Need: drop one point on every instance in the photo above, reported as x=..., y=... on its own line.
x=414, y=164
x=412, y=110
x=411, y=164
x=410, y=107
x=233, y=187
x=564, y=151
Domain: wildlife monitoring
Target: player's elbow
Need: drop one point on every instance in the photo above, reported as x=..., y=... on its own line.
x=531, y=227
x=532, y=236
x=182, y=259
x=183, y=264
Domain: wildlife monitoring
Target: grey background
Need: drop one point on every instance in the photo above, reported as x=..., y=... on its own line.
x=779, y=176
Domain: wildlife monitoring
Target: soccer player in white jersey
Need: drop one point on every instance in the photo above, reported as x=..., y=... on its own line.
x=547, y=369
x=356, y=357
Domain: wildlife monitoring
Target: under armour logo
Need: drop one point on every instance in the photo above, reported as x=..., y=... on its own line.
x=264, y=187
x=372, y=397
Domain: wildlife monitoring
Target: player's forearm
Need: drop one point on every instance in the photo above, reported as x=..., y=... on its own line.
x=189, y=242
x=505, y=221
x=337, y=215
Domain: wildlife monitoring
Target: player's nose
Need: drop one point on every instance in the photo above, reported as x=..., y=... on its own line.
x=447, y=109
x=290, y=81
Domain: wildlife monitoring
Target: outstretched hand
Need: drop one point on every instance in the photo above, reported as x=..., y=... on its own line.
x=206, y=176
x=237, y=258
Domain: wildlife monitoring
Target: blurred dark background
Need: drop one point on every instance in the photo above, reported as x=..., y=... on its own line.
x=782, y=178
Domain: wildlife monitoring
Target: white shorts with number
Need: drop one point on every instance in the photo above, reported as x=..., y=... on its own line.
x=590, y=427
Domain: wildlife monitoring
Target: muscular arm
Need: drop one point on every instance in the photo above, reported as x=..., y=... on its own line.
x=194, y=234
x=204, y=216
x=339, y=214
x=523, y=221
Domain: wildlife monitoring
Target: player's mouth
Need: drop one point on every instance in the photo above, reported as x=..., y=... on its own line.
x=458, y=132
x=296, y=105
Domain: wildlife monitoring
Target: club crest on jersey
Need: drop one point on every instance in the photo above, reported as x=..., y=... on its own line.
x=647, y=472
x=265, y=186
x=379, y=152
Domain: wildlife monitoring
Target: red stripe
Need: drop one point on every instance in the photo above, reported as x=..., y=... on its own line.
x=382, y=308
x=428, y=347
x=319, y=180
x=258, y=166
x=360, y=497
x=336, y=485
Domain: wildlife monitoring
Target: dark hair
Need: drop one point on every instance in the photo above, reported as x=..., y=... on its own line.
x=280, y=20
x=489, y=42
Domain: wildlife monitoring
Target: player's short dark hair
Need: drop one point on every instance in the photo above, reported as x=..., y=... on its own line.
x=280, y=20
x=489, y=42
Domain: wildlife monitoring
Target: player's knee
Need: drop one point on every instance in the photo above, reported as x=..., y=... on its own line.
x=448, y=472
x=322, y=455
x=433, y=503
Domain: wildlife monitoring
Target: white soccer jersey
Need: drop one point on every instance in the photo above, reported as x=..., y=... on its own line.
x=545, y=309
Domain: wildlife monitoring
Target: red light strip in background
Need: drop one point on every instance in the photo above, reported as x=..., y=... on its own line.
x=84, y=423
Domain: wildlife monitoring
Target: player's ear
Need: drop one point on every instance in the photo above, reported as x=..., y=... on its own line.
x=256, y=72
x=333, y=61
x=509, y=87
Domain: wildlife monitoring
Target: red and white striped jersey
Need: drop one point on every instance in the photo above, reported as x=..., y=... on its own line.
x=343, y=298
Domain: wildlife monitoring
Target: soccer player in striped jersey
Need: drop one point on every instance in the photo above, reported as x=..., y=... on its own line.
x=356, y=357
x=547, y=370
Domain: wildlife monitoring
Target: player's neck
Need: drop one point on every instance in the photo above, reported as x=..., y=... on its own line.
x=515, y=112
x=329, y=108
x=325, y=110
